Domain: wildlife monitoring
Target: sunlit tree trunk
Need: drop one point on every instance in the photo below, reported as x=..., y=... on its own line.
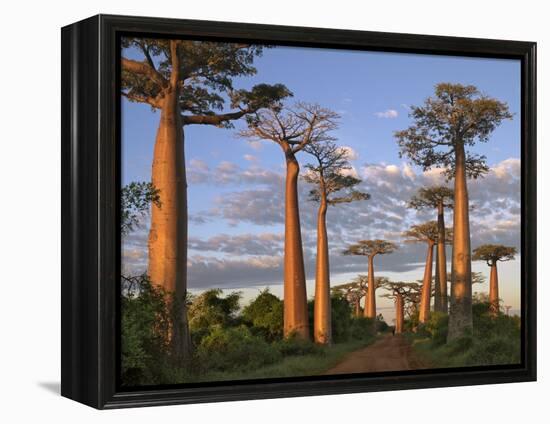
x=493, y=290
x=460, y=317
x=441, y=301
x=168, y=233
x=399, y=313
x=321, y=316
x=295, y=301
x=370, y=302
x=426, y=294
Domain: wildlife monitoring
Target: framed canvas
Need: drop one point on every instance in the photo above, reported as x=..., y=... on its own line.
x=254, y=211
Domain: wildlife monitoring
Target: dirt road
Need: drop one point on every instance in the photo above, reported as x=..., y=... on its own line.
x=391, y=353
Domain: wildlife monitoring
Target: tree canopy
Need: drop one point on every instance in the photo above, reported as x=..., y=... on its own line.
x=492, y=253
x=291, y=127
x=371, y=248
x=330, y=174
x=432, y=197
x=426, y=233
x=203, y=71
x=457, y=115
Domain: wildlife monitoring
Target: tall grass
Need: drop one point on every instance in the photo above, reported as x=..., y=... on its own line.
x=494, y=341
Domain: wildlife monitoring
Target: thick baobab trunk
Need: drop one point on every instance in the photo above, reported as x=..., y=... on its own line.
x=168, y=233
x=440, y=300
x=295, y=300
x=370, y=301
x=399, y=313
x=493, y=290
x=460, y=317
x=426, y=294
x=321, y=314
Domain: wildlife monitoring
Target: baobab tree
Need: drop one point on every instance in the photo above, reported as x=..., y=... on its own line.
x=370, y=249
x=399, y=291
x=329, y=178
x=412, y=299
x=353, y=292
x=438, y=198
x=457, y=117
x=493, y=253
x=293, y=128
x=424, y=233
x=186, y=81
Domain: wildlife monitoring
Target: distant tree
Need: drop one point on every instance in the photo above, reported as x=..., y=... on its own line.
x=491, y=254
x=189, y=82
x=265, y=313
x=293, y=128
x=210, y=309
x=456, y=117
x=370, y=249
x=398, y=291
x=329, y=178
x=439, y=198
x=353, y=292
x=136, y=199
x=425, y=233
x=412, y=301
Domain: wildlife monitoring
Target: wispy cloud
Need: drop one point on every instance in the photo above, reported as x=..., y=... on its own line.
x=254, y=257
x=387, y=114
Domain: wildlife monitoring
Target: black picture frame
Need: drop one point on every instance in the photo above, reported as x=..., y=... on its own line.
x=90, y=198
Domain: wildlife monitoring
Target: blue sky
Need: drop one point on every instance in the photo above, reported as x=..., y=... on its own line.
x=371, y=91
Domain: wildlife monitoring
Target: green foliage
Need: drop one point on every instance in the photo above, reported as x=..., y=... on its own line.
x=492, y=253
x=264, y=315
x=144, y=327
x=371, y=247
x=328, y=174
x=135, y=200
x=455, y=117
x=234, y=348
x=209, y=310
x=206, y=74
x=363, y=328
x=340, y=319
x=494, y=340
x=292, y=346
x=380, y=325
x=437, y=327
x=426, y=232
x=432, y=197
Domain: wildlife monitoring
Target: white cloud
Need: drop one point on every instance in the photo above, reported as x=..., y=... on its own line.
x=388, y=114
x=257, y=198
x=351, y=154
x=250, y=158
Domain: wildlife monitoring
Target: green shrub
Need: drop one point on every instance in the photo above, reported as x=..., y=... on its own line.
x=381, y=325
x=437, y=327
x=234, y=348
x=209, y=310
x=294, y=346
x=363, y=328
x=494, y=340
x=340, y=318
x=264, y=315
x=144, y=330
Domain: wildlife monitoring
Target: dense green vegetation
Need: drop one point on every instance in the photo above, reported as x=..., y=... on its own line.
x=494, y=340
x=229, y=342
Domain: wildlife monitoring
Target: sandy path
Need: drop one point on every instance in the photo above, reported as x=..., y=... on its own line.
x=391, y=353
